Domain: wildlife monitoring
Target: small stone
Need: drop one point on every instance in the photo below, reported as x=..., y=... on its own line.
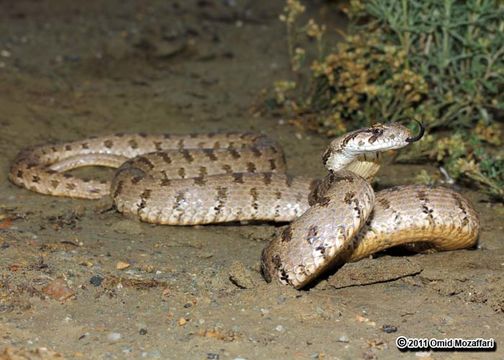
x=423, y=354
x=343, y=339
x=389, y=329
x=319, y=310
x=235, y=328
x=148, y=268
x=365, y=320
x=21, y=353
x=154, y=354
x=114, y=336
x=281, y=299
x=280, y=328
x=165, y=293
x=121, y=265
x=240, y=276
x=58, y=290
x=447, y=320
x=96, y=280
x=181, y=322
x=5, y=53
x=142, y=331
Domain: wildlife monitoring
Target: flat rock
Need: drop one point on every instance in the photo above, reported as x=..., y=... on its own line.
x=372, y=271
x=241, y=276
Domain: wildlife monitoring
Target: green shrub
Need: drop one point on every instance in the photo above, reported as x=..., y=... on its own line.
x=438, y=62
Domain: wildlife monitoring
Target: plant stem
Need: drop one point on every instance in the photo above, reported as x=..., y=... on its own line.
x=406, y=37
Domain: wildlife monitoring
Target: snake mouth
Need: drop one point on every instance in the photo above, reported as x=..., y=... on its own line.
x=419, y=135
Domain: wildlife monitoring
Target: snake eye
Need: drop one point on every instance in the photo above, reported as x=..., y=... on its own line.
x=420, y=133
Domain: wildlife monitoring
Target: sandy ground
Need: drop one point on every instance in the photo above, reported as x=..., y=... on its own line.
x=73, y=69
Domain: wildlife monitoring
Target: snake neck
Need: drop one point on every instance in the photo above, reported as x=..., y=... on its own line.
x=365, y=165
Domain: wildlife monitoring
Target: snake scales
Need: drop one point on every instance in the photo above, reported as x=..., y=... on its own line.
x=212, y=178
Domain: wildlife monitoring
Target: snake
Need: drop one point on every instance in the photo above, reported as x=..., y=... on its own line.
x=208, y=178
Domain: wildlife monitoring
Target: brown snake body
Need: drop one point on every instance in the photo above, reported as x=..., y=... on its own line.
x=212, y=178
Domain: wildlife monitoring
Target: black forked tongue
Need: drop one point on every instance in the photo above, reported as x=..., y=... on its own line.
x=420, y=133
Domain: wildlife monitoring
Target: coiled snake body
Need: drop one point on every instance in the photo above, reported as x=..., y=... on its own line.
x=212, y=178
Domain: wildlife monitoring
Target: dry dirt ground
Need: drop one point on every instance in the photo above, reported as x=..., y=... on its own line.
x=93, y=285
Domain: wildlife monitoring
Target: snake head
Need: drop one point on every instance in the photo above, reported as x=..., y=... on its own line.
x=378, y=138
x=392, y=136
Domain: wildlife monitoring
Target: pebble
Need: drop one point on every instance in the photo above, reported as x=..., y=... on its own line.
x=281, y=299
x=96, y=280
x=447, y=320
x=58, y=290
x=389, y=329
x=121, y=265
x=343, y=339
x=235, y=328
x=5, y=53
x=87, y=263
x=114, y=336
x=423, y=354
x=365, y=320
x=280, y=328
x=142, y=331
x=205, y=255
x=155, y=354
x=147, y=268
x=240, y=276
